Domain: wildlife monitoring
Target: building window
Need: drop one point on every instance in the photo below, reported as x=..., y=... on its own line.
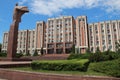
x=91, y=43
x=96, y=37
x=109, y=37
x=113, y=25
x=83, y=19
x=115, y=36
x=119, y=25
x=104, y=47
x=103, y=37
x=79, y=20
x=110, y=47
x=101, y=26
x=40, y=24
x=107, y=25
x=109, y=42
x=102, y=31
x=90, y=28
x=108, y=31
x=103, y=42
x=97, y=42
x=95, y=27
x=96, y=32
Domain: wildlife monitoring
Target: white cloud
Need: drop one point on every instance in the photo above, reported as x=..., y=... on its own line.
x=51, y=7
x=22, y=2
x=112, y=5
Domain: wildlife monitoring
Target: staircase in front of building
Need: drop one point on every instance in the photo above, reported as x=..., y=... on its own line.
x=49, y=57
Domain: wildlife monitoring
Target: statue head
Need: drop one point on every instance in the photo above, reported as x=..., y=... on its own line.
x=19, y=11
x=22, y=9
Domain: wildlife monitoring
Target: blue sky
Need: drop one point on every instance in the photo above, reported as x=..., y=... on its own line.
x=95, y=10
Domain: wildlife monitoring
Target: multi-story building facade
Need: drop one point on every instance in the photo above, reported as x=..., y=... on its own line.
x=104, y=35
x=40, y=38
x=5, y=42
x=58, y=35
x=82, y=34
x=25, y=44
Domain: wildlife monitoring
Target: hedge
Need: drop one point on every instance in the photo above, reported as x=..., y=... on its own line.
x=79, y=56
x=61, y=65
x=108, y=67
x=103, y=56
x=18, y=55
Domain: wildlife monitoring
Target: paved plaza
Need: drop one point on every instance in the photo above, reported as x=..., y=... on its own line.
x=14, y=62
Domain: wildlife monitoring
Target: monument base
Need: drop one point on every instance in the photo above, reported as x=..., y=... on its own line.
x=15, y=59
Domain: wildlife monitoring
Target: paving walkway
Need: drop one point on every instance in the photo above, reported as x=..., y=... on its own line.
x=8, y=64
x=21, y=75
x=14, y=62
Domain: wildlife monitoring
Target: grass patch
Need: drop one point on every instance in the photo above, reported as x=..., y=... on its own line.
x=80, y=73
x=105, y=68
x=89, y=72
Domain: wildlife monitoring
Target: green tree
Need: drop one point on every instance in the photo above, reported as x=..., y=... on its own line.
x=35, y=53
x=117, y=46
x=73, y=49
x=0, y=47
x=96, y=57
x=97, y=50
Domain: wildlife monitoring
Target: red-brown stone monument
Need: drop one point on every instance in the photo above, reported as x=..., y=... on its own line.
x=13, y=33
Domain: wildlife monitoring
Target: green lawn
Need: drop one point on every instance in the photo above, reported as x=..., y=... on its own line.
x=89, y=71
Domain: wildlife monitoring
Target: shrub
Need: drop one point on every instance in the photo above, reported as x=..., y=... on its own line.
x=88, y=50
x=103, y=56
x=61, y=65
x=18, y=55
x=3, y=54
x=108, y=67
x=117, y=46
x=110, y=55
x=96, y=57
x=79, y=56
x=35, y=53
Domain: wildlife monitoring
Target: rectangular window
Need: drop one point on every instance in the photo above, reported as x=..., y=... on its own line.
x=109, y=36
x=109, y=42
x=103, y=42
x=97, y=42
x=102, y=36
x=107, y=25
x=83, y=19
x=95, y=27
x=113, y=25
x=79, y=20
